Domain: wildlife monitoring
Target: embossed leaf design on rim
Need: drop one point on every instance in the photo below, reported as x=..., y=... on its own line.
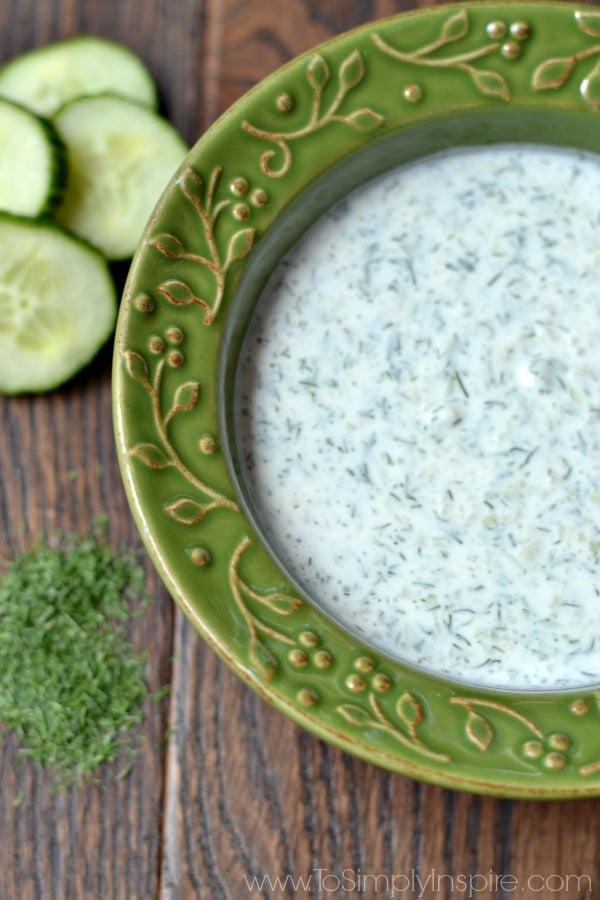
x=202, y=199
x=454, y=29
x=318, y=73
x=555, y=72
x=375, y=718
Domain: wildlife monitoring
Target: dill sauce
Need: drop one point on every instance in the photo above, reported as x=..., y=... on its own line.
x=420, y=415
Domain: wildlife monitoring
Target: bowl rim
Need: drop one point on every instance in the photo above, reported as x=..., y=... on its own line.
x=475, y=72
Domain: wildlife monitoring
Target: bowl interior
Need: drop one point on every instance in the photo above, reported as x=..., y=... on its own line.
x=520, y=128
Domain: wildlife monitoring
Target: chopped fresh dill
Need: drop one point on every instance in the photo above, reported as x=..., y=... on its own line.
x=461, y=383
x=72, y=686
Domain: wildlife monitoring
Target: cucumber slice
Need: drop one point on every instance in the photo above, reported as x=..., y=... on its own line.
x=46, y=78
x=32, y=162
x=121, y=156
x=57, y=305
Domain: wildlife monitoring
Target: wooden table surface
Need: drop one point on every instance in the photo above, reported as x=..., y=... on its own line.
x=226, y=788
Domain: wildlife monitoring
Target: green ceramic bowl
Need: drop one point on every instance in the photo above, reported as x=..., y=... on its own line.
x=387, y=93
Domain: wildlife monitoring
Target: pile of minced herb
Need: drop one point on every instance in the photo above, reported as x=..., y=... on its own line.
x=72, y=685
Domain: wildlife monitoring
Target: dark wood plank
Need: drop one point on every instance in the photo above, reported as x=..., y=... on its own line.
x=56, y=476
x=58, y=470
x=247, y=40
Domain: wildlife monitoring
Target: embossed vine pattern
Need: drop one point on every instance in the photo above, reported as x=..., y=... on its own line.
x=351, y=72
x=405, y=730
x=162, y=453
x=210, y=258
x=548, y=749
x=584, y=706
x=276, y=602
x=456, y=28
x=555, y=72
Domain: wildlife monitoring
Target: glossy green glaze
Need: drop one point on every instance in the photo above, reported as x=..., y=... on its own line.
x=327, y=122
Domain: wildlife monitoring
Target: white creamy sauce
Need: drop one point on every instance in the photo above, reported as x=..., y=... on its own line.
x=420, y=415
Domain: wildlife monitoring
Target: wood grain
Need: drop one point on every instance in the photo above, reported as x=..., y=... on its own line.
x=236, y=791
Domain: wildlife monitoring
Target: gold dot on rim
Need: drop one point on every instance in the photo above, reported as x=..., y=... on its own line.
x=239, y=186
x=156, y=344
x=307, y=697
x=355, y=683
x=364, y=664
x=554, y=761
x=580, y=707
x=322, y=659
x=496, y=30
x=413, y=93
x=559, y=741
x=308, y=638
x=143, y=303
x=533, y=749
x=174, y=335
x=510, y=50
x=520, y=30
x=298, y=657
x=175, y=358
x=259, y=197
x=200, y=556
x=207, y=444
x=285, y=102
x=381, y=682
x=241, y=212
